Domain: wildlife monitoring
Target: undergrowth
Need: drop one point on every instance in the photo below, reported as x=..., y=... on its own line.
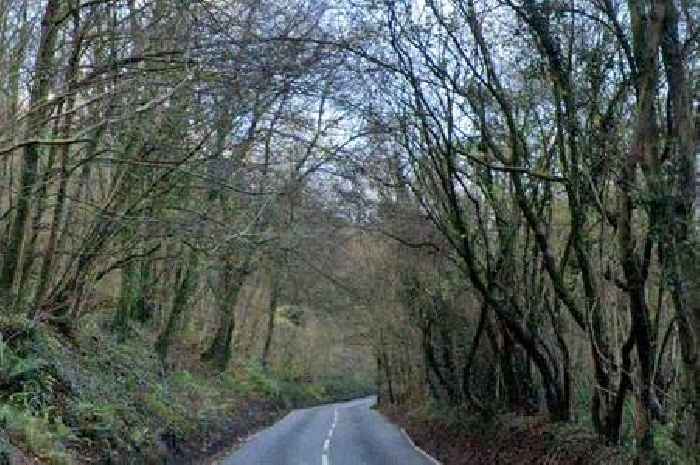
x=459, y=437
x=94, y=399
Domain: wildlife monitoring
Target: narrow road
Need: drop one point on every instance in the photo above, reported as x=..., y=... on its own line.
x=337, y=434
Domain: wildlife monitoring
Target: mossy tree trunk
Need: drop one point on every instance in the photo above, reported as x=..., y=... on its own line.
x=185, y=279
x=219, y=351
x=120, y=322
x=271, y=315
x=683, y=132
x=30, y=157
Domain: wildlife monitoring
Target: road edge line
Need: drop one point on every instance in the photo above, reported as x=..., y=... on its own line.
x=418, y=449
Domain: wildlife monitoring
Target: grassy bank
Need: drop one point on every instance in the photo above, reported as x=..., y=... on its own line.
x=90, y=398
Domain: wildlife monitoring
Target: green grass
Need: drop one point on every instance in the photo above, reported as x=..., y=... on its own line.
x=95, y=399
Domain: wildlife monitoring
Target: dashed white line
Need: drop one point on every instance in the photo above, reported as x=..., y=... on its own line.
x=327, y=442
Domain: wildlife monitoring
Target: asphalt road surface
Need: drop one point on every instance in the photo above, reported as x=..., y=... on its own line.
x=337, y=434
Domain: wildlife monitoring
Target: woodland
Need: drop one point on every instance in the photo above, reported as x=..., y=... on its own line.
x=479, y=206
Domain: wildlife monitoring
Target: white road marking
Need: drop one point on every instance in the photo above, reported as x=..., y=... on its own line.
x=327, y=442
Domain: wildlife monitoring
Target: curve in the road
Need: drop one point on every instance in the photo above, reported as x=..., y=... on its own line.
x=338, y=434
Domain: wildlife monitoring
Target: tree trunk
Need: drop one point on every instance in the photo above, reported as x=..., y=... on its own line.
x=271, y=314
x=469, y=360
x=186, y=282
x=219, y=351
x=683, y=258
x=29, y=256
x=127, y=298
x=30, y=159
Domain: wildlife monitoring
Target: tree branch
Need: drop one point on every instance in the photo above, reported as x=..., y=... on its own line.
x=49, y=142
